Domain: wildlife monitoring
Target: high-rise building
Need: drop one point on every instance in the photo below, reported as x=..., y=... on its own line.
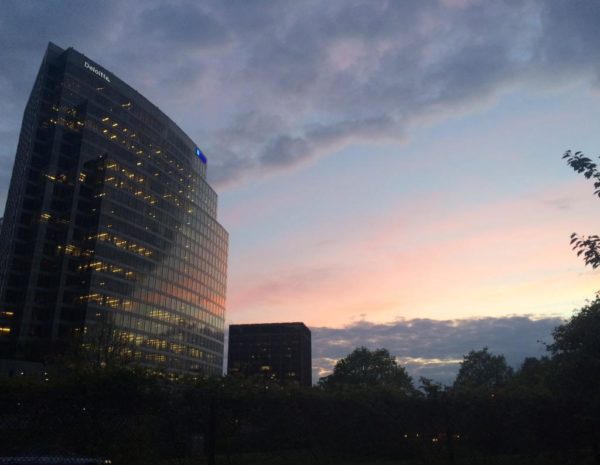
x=279, y=351
x=109, y=222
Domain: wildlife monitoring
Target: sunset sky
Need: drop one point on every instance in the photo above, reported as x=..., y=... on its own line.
x=389, y=172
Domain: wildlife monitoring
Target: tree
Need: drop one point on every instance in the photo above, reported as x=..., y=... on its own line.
x=576, y=351
x=432, y=389
x=588, y=246
x=576, y=356
x=532, y=377
x=100, y=345
x=363, y=367
x=482, y=371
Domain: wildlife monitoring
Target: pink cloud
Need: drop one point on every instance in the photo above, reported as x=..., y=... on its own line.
x=507, y=257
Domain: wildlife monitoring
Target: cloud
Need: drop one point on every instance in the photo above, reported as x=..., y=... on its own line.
x=183, y=24
x=427, y=255
x=434, y=348
x=310, y=77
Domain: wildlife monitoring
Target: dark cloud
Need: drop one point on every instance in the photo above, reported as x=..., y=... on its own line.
x=570, y=34
x=285, y=150
x=312, y=75
x=185, y=24
x=434, y=348
x=25, y=30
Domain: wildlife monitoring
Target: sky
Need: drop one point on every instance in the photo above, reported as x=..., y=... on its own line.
x=389, y=172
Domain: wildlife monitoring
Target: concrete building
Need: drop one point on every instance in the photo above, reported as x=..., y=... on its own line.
x=109, y=222
x=279, y=351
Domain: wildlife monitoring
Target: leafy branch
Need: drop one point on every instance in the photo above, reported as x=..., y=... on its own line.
x=586, y=246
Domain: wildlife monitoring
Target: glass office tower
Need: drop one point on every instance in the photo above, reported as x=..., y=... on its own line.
x=109, y=221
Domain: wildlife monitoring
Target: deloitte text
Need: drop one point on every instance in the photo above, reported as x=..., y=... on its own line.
x=96, y=71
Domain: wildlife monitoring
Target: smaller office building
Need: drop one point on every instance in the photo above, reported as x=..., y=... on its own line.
x=278, y=351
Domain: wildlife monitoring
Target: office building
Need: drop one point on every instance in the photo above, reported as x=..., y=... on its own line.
x=278, y=351
x=109, y=223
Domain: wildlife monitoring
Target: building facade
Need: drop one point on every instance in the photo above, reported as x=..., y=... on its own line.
x=109, y=222
x=278, y=351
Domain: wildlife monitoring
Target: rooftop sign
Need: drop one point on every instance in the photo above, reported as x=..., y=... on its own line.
x=200, y=155
x=96, y=71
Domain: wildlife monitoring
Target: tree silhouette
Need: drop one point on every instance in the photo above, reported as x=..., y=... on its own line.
x=363, y=367
x=481, y=370
x=576, y=349
x=100, y=345
x=576, y=355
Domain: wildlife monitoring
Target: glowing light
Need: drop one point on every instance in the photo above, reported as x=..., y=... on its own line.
x=201, y=155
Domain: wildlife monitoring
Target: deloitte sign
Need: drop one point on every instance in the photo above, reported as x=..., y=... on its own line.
x=96, y=71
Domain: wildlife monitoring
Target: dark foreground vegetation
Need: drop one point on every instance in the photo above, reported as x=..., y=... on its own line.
x=367, y=411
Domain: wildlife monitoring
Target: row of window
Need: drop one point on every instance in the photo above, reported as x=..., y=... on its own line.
x=155, y=291
x=164, y=265
x=193, y=333
x=108, y=97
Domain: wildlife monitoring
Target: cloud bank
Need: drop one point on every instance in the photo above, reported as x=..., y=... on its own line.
x=267, y=86
x=434, y=348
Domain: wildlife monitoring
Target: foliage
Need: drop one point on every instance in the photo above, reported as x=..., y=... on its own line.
x=363, y=367
x=588, y=246
x=576, y=352
x=579, y=338
x=432, y=389
x=576, y=357
x=482, y=371
x=132, y=417
x=532, y=377
x=549, y=407
x=101, y=345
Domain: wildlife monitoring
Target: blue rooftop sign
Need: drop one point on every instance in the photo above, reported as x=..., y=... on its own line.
x=200, y=155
